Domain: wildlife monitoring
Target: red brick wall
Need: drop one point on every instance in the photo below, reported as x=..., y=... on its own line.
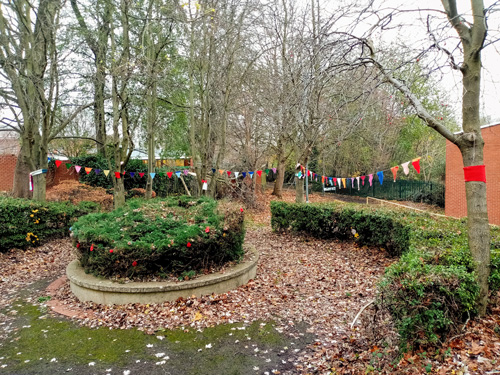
x=61, y=174
x=7, y=166
x=456, y=205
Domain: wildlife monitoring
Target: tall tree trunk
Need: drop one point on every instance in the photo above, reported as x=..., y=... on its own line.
x=280, y=179
x=21, y=174
x=299, y=190
x=475, y=191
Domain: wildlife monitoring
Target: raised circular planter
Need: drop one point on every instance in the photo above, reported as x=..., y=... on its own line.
x=88, y=288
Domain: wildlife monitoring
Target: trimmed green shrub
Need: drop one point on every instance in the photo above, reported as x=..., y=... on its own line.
x=25, y=223
x=160, y=237
x=335, y=220
x=432, y=288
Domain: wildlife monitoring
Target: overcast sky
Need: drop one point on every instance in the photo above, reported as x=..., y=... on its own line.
x=451, y=80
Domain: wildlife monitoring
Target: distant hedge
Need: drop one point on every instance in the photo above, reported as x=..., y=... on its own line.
x=25, y=223
x=160, y=237
x=432, y=289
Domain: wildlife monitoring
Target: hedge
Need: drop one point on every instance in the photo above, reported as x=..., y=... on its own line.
x=432, y=288
x=25, y=223
x=160, y=237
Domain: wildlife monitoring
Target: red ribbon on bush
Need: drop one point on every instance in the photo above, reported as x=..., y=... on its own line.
x=475, y=173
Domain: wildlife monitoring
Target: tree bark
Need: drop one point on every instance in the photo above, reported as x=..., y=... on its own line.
x=299, y=190
x=21, y=174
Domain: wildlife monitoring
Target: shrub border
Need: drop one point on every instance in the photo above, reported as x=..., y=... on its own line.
x=88, y=288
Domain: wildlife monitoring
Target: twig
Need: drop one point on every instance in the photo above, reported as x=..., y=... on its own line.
x=360, y=311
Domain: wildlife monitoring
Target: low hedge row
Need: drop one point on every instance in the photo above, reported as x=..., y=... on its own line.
x=160, y=237
x=25, y=223
x=432, y=288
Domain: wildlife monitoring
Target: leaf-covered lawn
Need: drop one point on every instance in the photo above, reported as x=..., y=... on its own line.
x=322, y=284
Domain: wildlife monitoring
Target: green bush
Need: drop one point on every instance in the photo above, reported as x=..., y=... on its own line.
x=25, y=223
x=160, y=237
x=432, y=288
x=335, y=220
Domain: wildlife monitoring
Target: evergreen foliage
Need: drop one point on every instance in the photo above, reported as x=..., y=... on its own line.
x=160, y=237
x=432, y=289
x=25, y=223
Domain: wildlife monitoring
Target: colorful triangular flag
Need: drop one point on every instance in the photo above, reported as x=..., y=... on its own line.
x=58, y=163
x=416, y=164
x=152, y=175
x=370, y=179
x=236, y=174
x=88, y=170
x=106, y=172
x=169, y=174
x=77, y=168
x=118, y=175
x=357, y=179
x=244, y=174
x=178, y=174
x=380, y=176
x=406, y=168
x=68, y=165
x=97, y=171
x=250, y=174
x=395, y=172
x=363, y=180
x=141, y=174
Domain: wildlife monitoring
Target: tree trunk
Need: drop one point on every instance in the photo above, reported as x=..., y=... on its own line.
x=475, y=191
x=299, y=190
x=39, y=187
x=21, y=174
x=280, y=179
x=119, y=194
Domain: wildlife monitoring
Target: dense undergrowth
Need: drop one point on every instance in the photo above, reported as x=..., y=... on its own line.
x=431, y=290
x=159, y=237
x=25, y=223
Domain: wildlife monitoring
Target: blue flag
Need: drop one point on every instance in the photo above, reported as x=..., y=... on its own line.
x=244, y=174
x=380, y=176
x=152, y=175
x=132, y=174
x=178, y=174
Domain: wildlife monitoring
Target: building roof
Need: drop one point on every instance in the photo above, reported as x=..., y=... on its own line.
x=9, y=146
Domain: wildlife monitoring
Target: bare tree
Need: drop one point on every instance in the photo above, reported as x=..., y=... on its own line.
x=464, y=57
x=29, y=62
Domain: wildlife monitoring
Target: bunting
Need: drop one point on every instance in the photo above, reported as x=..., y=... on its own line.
x=58, y=163
x=416, y=164
x=380, y=176
x=394, y=172
x=169, y=174
x=406, y=169
x=178, y=174
x=152, y=175
x=106, y=172
x=118, y=175
x=77, y=168
x=88, y=170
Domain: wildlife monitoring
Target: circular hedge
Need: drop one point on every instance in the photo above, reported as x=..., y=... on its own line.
x=160, y=237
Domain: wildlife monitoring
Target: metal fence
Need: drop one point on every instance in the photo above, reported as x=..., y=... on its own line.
x=417, y=191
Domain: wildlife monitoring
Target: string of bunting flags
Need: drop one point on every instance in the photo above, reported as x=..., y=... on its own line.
x=340, y=182
x=106, y=172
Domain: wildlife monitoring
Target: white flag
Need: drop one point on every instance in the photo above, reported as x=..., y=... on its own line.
x=406, y=169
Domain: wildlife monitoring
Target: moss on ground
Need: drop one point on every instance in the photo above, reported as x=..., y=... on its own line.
x=41, y=344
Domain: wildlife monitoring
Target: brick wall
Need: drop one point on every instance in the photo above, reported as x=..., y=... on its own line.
x=7, y=166
x=61, y=174
x=456, y=205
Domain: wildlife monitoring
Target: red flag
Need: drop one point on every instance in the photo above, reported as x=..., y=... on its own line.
x=363, y=179
x=395, y=172
x=141, y=174
x=169, y=174
x=58, y=163
x=416, y=164
x=259, y=173
x=88, y=170
x=118, y=175
x=228, y=173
